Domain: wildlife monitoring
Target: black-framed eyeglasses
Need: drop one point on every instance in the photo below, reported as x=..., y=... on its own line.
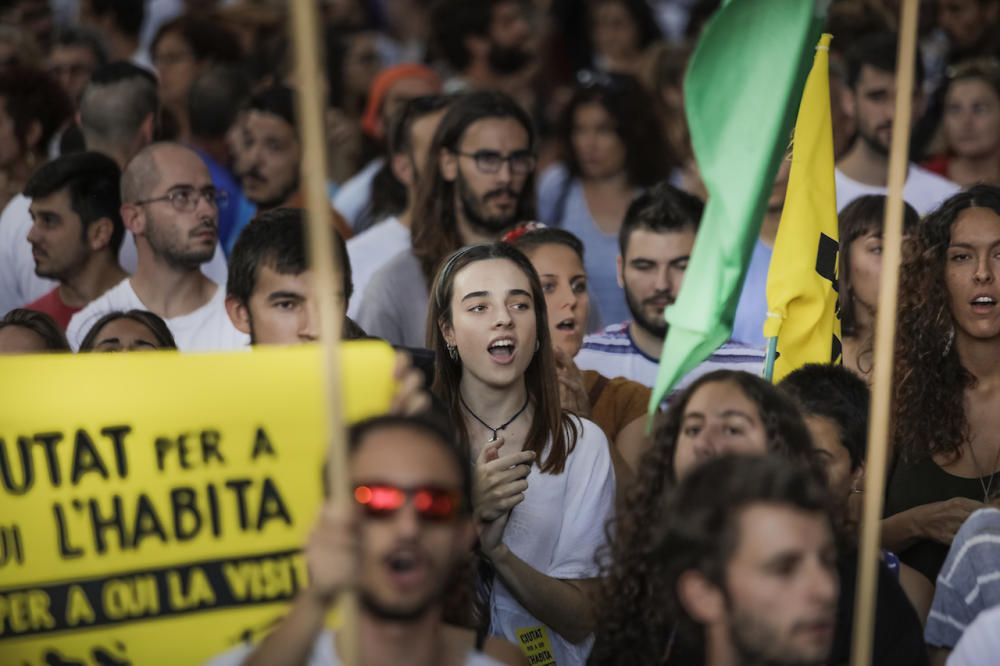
x=490, y=161
x=185, y=199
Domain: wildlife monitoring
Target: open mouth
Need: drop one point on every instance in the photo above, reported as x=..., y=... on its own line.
x=568, y=325
x=406, y=567
x=502, y=350
x=983, y=304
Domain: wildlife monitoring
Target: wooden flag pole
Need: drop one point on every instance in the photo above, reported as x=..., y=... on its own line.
x=326, y=275
x=885, y=338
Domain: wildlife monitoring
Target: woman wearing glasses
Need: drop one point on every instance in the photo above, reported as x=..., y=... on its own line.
x=545, y=485
x=613, y=149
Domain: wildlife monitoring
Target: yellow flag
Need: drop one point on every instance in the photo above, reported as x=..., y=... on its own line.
x=802, y=280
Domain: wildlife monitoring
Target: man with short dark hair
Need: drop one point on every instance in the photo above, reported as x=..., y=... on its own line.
x=272, y=154
x=409, y=142
x=481, y=185
x=752, y=563
x=400, y=543
x=871, y=101
x=119, y=22
x=171, y=207
x=76, y=231
x=75, y=55
x=270, y=292
x=655, y=243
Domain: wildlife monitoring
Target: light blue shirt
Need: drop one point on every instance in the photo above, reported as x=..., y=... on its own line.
x=748, y=325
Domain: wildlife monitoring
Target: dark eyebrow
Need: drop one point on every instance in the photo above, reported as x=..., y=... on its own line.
x=275, y=295
x=475, y=294
x=109, y=341
x=519, y=292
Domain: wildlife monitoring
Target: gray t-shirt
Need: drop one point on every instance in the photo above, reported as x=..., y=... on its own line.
x=394, y=306
x=324, y=654
x=969, y=582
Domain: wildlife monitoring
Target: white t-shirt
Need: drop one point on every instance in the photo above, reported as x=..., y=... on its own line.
x=924, y=190
x=557, y=530
x=324, y=654
x=369, y=251
x=354, y=197
x=980, y=644
x=19, y=284
x=206, y=329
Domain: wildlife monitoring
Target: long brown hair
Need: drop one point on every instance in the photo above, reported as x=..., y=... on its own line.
x=550, y=423
x=434, y=225
x=929, y=409
x=634, y=626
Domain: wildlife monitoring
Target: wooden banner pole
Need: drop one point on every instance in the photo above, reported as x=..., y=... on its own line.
x=326, y=274
x=885, y=338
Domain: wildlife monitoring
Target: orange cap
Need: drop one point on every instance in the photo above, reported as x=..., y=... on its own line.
x=385, y=80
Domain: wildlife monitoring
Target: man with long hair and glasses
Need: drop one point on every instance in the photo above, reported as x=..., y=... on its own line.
x=171, y=207
x=479, y=183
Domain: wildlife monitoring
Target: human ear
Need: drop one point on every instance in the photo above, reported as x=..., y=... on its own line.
x=238, y=313
x=702, y=599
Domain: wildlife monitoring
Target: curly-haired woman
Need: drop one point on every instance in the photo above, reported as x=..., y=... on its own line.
x=946, y=421
x=722, y=412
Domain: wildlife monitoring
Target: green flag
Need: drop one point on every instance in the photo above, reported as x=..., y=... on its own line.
x=740, y=94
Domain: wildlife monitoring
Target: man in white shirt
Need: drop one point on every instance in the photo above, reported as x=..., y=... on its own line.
x=409, y=142
x=170, y=206
x=871, y=99
x=400, y=544
x=117, y=117
x=655, y=240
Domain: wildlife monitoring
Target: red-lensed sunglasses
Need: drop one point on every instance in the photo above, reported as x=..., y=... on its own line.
x=433, y=504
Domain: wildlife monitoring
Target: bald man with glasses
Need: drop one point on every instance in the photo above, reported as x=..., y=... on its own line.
x=171, y=207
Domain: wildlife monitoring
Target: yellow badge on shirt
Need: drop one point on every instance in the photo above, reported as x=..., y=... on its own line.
x=153, y=506
x=535, y=645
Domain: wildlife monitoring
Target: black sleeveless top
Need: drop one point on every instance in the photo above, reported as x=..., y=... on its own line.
x=920, y=482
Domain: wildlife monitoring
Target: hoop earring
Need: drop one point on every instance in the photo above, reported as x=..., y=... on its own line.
x=453, y=352
x=537, y=345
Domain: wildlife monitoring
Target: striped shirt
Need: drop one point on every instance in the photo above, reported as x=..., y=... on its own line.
x=969, y=582
x=613, y=353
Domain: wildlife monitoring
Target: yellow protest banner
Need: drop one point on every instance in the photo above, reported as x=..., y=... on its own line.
x=153, y=506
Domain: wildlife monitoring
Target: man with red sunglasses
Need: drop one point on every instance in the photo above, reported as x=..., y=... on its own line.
x=399, y=543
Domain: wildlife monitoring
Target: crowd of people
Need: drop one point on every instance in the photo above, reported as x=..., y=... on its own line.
x=515, y=202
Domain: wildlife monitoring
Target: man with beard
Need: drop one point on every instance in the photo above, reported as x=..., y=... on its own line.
x=76, y=231
x=481, y=185
x=171, y=207
x=655, y=241
x=271, y=154
x=487, y=45
x=871, y=100
x=408, y=529
x=751, y=562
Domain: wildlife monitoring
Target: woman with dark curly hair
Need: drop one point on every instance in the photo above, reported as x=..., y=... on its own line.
x=945, y=419
x=613, y=150
x=725, y=411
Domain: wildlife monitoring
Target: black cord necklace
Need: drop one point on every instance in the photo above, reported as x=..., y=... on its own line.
x=487, y=425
